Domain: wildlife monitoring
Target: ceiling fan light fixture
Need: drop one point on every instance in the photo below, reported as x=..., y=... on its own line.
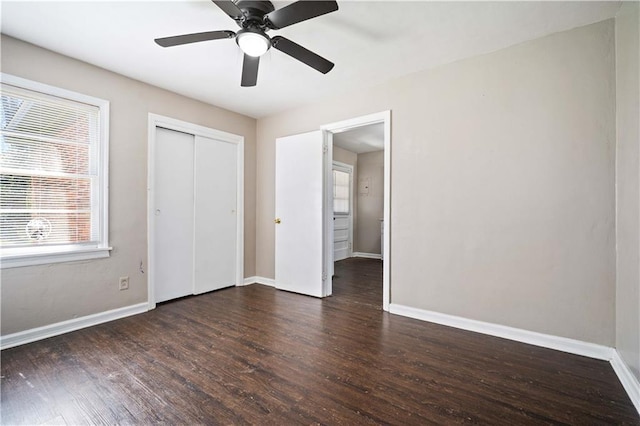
x=253, y=42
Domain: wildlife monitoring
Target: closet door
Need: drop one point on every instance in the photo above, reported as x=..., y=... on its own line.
x=216, y=218
x=174, y=214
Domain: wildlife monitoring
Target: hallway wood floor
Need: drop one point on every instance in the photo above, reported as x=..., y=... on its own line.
x=255, y=355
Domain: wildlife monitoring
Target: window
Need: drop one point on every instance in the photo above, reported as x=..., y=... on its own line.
x=53, y=174
x=340, y=192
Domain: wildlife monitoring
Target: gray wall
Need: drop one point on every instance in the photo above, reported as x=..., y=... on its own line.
x=370, y=206
x=344, y=156
x=502, y=177
x=40, y=295
x=628, y=186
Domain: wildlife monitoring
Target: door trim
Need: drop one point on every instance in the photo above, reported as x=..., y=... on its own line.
x=155, y=121
x=381, y=117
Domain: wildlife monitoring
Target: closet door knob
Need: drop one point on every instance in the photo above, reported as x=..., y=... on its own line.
x=277, y=221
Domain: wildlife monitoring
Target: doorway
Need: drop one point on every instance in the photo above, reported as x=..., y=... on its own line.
x=304, y=225
x=376, y=129
x=195, y=209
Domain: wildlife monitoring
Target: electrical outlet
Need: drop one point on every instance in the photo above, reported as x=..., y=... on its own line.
x=124, y=283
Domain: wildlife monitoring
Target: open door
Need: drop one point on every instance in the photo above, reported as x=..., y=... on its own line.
x=300, y=215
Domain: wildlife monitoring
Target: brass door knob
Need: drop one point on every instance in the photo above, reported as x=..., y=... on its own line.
x=277, y=220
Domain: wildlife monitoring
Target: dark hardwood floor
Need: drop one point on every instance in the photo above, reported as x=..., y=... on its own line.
x=255, y=355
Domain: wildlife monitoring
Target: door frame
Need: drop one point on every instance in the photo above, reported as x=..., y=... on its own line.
x=328, y=131
x=156, y=120
x=347, y=168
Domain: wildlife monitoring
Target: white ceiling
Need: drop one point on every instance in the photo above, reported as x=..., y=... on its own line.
x=361, y=139
x=369, y=41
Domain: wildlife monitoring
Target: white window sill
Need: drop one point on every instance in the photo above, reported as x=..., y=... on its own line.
x=18, y=261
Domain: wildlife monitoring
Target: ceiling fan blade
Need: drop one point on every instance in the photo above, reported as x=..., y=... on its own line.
x=300, y=53
x=298, y=12
x=250, y=71
x=230, y=9
x=194, y=38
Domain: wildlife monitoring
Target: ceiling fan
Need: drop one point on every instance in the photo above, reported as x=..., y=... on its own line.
x=255, y=18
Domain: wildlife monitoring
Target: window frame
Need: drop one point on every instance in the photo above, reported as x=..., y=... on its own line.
x=346, y=171
x=28, y=256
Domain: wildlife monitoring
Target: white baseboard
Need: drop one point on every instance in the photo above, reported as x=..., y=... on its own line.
x=626, y=377
x=577, y=347
x=39, y=333
x=366, y=255
x=628, y=380
x=564, y=344
x=250, y=280
x=260, y=280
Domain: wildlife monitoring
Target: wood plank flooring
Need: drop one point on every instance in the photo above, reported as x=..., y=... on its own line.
x=255, y=355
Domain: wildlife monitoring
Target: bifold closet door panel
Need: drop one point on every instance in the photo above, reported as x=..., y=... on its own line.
x=174, y=214
x=215, y=214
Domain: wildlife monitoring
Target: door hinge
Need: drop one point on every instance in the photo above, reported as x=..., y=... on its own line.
x=324, y=277
x=325, y=149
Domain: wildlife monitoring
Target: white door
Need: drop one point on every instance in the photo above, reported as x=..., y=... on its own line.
x=215, y=214
x=342, y=211
x=300, y=201
x=174, y=211
x=195, y=217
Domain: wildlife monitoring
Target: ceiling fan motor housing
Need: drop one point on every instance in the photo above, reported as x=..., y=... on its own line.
x=254, y=12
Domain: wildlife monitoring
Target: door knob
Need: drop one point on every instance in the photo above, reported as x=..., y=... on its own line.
x=277, y=220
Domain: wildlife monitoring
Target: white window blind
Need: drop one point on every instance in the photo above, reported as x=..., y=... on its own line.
x=51, y=189
x=340, y=192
